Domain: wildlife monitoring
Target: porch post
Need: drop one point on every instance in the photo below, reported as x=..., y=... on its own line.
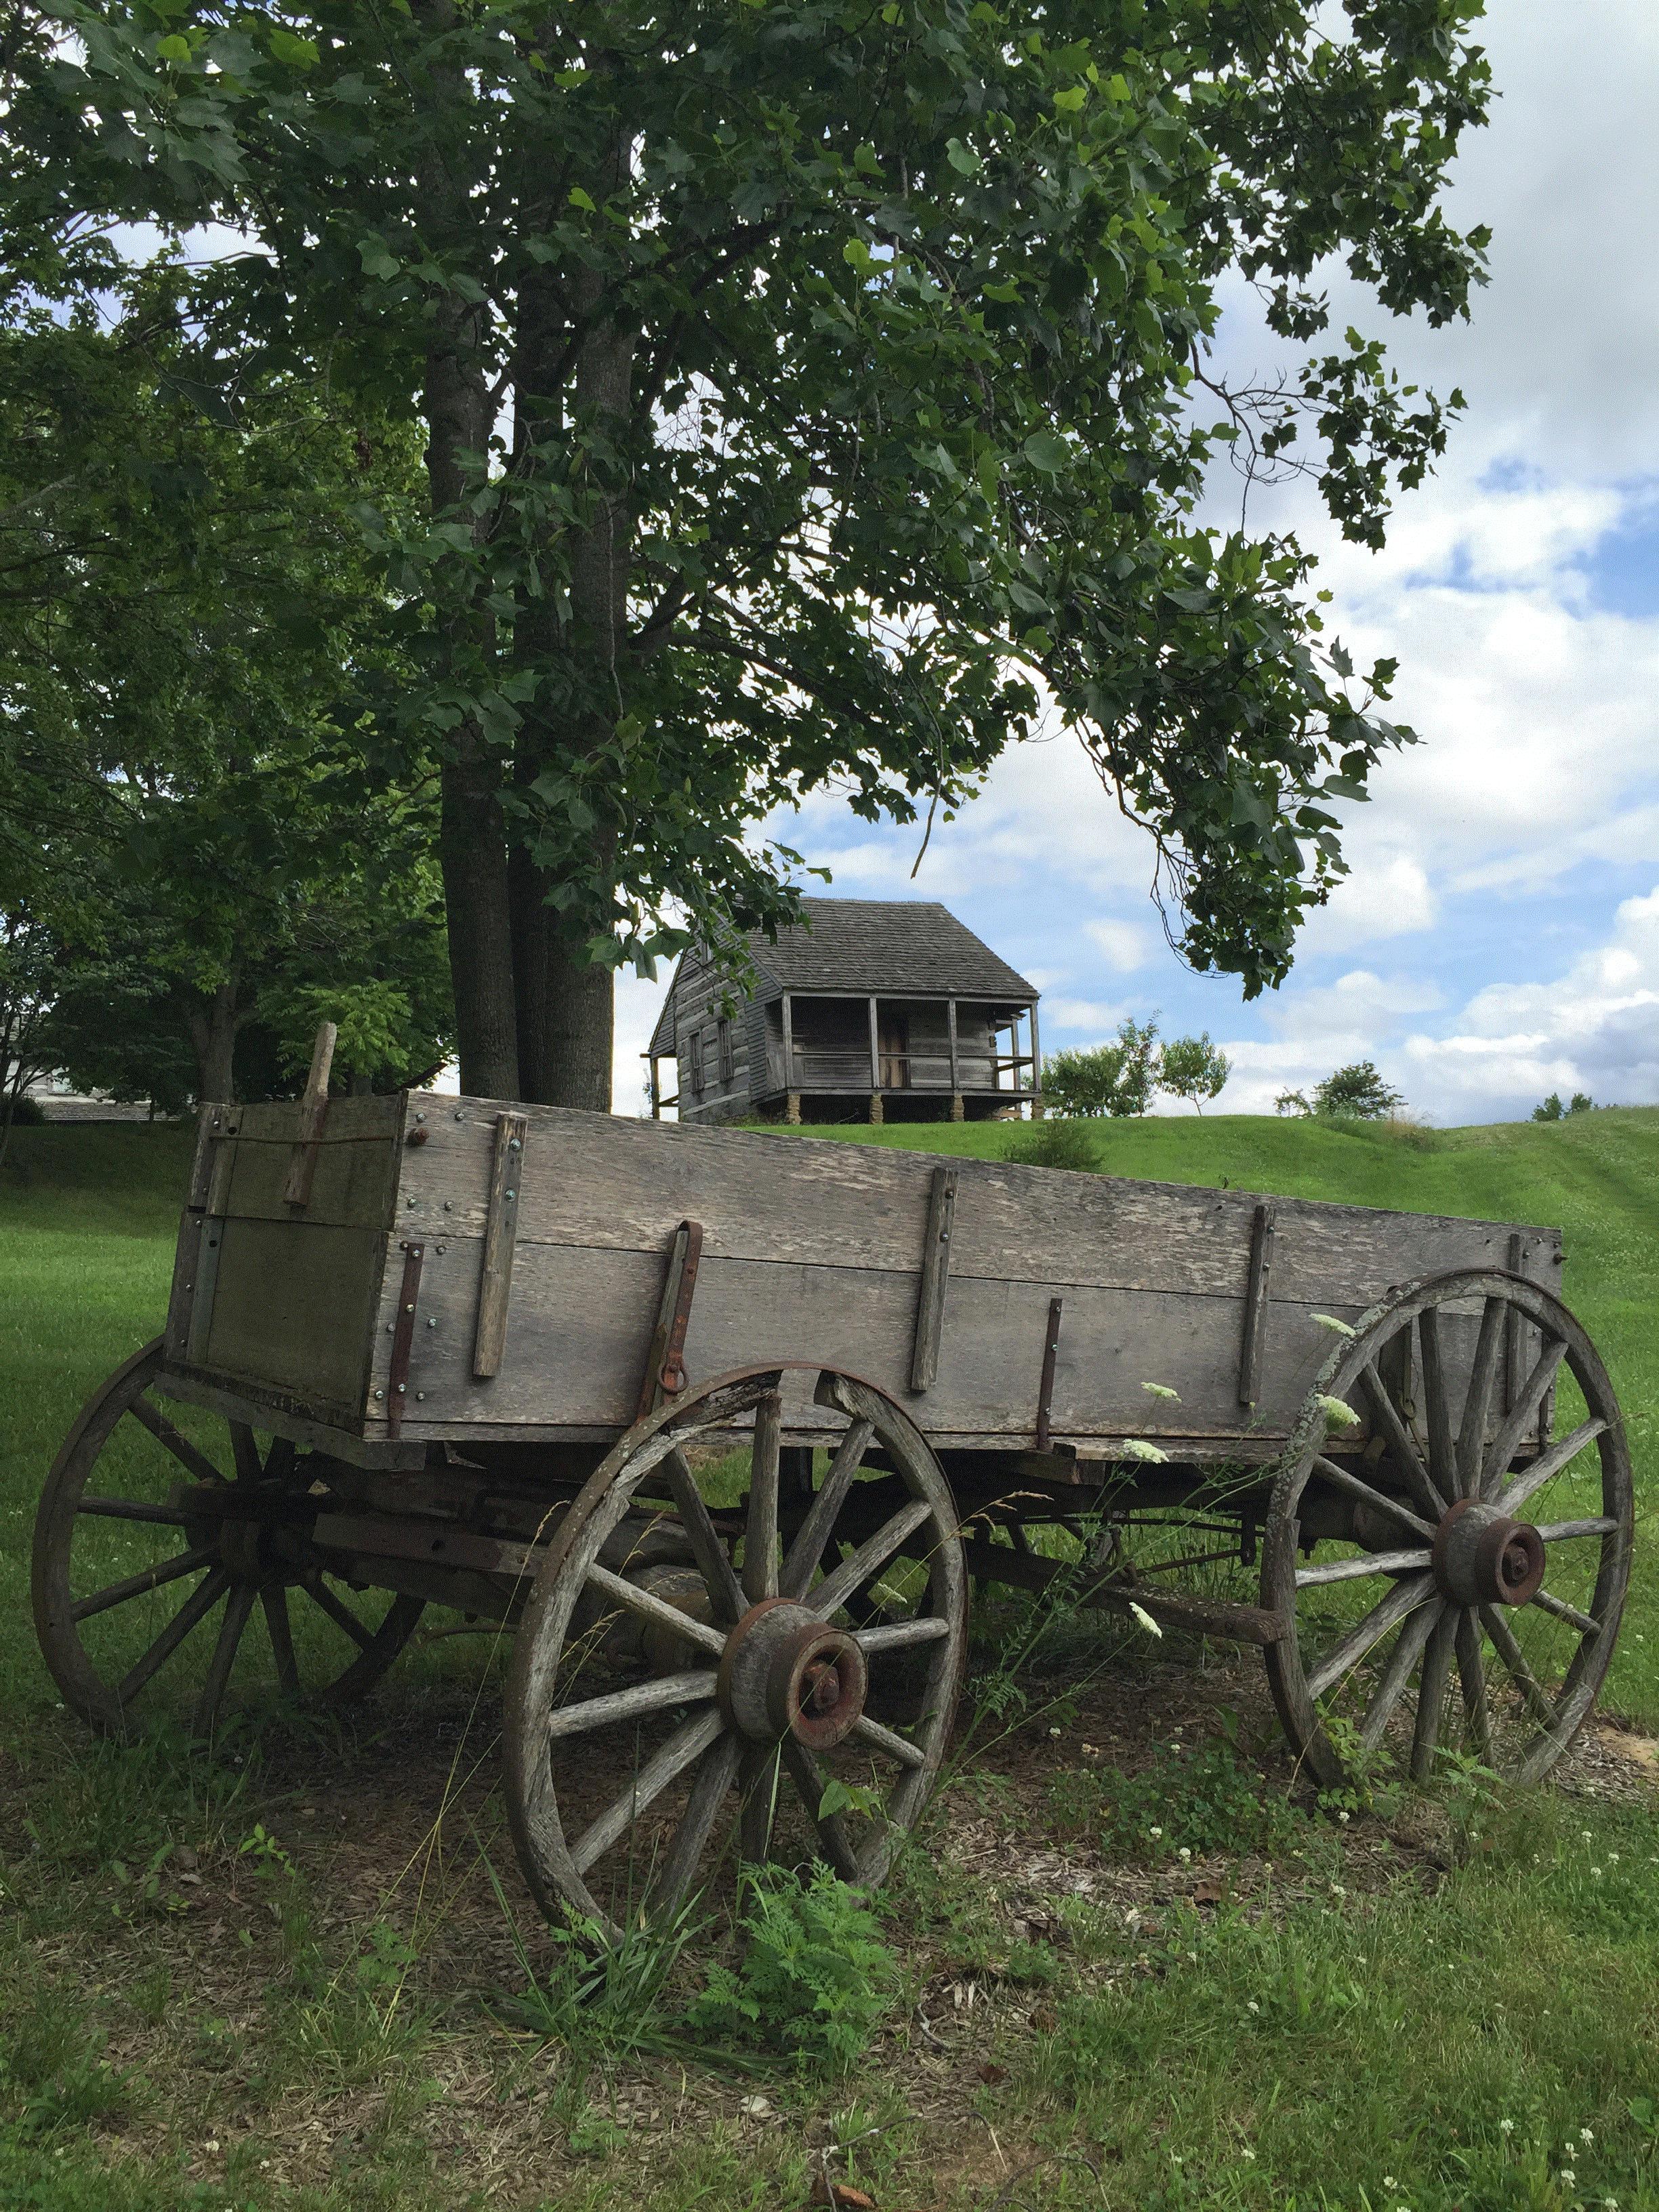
x=875, y=1063
x=958, y=1109
x=791, y=1086
x=1036, y=1068
x=656, y=1091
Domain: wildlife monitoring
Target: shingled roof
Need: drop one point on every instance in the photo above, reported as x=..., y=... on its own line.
x=890, y=946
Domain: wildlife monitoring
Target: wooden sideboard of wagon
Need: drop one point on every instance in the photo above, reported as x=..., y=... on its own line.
x=724, y=1426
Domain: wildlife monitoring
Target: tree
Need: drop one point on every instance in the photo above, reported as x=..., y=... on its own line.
x=1356, y=1093
x=1553, y=1110
x=195, y=812
x=1115, y=1079
x=1195, y=1068
x=808, y=392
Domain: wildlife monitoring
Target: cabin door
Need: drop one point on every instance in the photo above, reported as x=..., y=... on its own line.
x=893, y=1050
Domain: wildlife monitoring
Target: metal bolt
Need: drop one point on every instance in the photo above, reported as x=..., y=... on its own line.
x=392, y=1328
x=430, y=1322
x=410, y=1307
x=443, y=1248
x=513, y=1144
x=459, y=1115
x=420, y=1117
x=379, y=1394
x=402, y=1387
x=512, y=1193
x=420, y=1394
x=409, y=1201
x=447, y=1205
x=190, y=1286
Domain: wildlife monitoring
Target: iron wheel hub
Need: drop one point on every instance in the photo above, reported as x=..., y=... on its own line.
x=1485, y=1556
x=785, y=1672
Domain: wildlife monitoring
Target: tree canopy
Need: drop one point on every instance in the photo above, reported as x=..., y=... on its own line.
x=815, y=392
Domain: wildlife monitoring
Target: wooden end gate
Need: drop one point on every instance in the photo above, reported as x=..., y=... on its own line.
x=457, y=1351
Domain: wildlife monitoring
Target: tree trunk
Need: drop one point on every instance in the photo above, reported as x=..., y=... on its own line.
x=213, y=1026
x=472, y=837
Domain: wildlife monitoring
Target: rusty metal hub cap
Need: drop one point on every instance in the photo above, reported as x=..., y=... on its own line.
x=1484, y=1556
x=785, y=1672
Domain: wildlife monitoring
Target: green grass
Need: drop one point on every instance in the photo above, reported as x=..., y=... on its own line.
x=1345, y=2023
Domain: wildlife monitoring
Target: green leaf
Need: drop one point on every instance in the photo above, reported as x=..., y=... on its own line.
x=376, y=260
x=579, y=199
x=962, y=159
x=1072, y=99
x=174, y=49
x=298, y=54
x=1044, y=450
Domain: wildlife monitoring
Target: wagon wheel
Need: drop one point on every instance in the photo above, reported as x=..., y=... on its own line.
x=113, y=1558
x=751, y=1685
x=1473, y=1605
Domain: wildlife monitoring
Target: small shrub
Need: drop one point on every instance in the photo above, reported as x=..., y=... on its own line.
x=1051, y=1143
x=26, y=1114
x=815, y=1977
x=1201, y=1800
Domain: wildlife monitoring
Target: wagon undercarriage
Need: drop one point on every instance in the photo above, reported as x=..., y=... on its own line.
x=746, y=1601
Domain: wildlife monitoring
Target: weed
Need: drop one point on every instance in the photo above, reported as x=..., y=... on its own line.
x=1197, y=1801
x=1053, y=1143
x=602, y=2001
x=54, y=2075
x=815, y=1977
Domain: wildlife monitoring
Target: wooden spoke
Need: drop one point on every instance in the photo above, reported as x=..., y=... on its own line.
x=1339, y=1479
x=1402, y=1659
x=1547, y=1465
x=277, y=1626
x=1556, y=1532
x=885, y=1739
x=1522, y=1417
x=1405, y=1597
x=129, y=1508
x=176, y=1442
x=810, y=1781
x=342, y=1615
x=1477, y=1403
x=1570, y=1613
x=1503, y=1640
x=716, y=1771
x=1471, y=1676
x=688, y=1742
x=835, y=1590
x=237, y=1613
x=657, y=1610
x=1401, y=1447
x=814, y=1532
x=196, y=1607
x=1373, y=1563
x=759, y=1778
x=760, y=1540
x=170, y=1571
x=1437, y=1401
x=894, y=1635
x=631, y=1704
x=725, y=1590
x=1431, y=1685
x=249, y=1466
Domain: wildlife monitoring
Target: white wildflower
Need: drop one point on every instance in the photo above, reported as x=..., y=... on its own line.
x=1155, y=1833
x=1246, y=2151
x=1586, y=2135
x=1338, y=1412
x=1389, y=2181
x=1252, y=2006
x=1595, y=1874
x=1336, y=1327
x=1343, y=1818
x=1183, y=1853
x=1145, y=1618
x=1506, y=2127
x=1138, y=1447
x=1161, y=1390
x=1568, y=2177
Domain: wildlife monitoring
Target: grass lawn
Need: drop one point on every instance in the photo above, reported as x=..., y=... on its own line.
x=1132, y=1970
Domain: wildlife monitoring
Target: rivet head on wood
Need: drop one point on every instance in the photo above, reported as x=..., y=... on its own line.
x=409, y=1308
x=430, y=1322
x=513, y=1144
x=442, y=1249
x=379, y=1394
x=190, y=1286
x=458, y=1116
x=402, y=1387
x=420, y=1394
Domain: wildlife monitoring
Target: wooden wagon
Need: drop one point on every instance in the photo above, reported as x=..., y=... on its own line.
x=722, y=1428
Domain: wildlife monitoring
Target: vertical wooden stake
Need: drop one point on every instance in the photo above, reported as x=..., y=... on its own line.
x=313, y=1112
x=935, y=1275
x=1513, y=1374
x=1045, y=1387
x=501, y=1229
x=1255, y=1305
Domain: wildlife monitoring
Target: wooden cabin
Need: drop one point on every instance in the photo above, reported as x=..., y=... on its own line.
x=878, y=1010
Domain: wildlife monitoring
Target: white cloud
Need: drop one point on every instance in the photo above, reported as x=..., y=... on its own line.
x=1127, y=944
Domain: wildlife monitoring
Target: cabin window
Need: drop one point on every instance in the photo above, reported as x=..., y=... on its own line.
x=723, y=1044
x=695, y=1048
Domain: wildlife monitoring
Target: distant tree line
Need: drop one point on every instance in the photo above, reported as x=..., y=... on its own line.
x=1122, y=1078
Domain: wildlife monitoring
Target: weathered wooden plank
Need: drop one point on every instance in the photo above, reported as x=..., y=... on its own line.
x=622, y=1184
x=289, y=1417
x=495, y=1267
x=292, y=1305
x=354, y=1182
x=935, y=1274
x=583, y=1317
x=277, y=1121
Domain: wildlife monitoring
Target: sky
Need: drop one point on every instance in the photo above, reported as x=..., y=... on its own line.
x=1498, y=936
